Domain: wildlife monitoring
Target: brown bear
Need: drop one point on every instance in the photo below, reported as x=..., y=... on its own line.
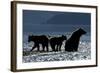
x=71, y=45
x=42, y=39
x=56, y=42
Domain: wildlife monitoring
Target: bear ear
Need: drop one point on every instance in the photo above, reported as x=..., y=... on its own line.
x=62, y=35
x=80, y=29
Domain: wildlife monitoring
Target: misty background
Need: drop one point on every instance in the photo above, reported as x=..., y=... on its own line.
x=49, y=22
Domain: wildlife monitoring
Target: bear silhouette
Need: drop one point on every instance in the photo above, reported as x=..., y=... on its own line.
x=56, y=42
x=42, y=39
x=71, y=45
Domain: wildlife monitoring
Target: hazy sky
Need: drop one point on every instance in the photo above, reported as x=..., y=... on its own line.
x=50, y=21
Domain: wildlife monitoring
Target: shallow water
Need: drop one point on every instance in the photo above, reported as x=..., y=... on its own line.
x=84, y=52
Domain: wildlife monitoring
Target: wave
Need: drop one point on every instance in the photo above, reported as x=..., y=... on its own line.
x=83, y=53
